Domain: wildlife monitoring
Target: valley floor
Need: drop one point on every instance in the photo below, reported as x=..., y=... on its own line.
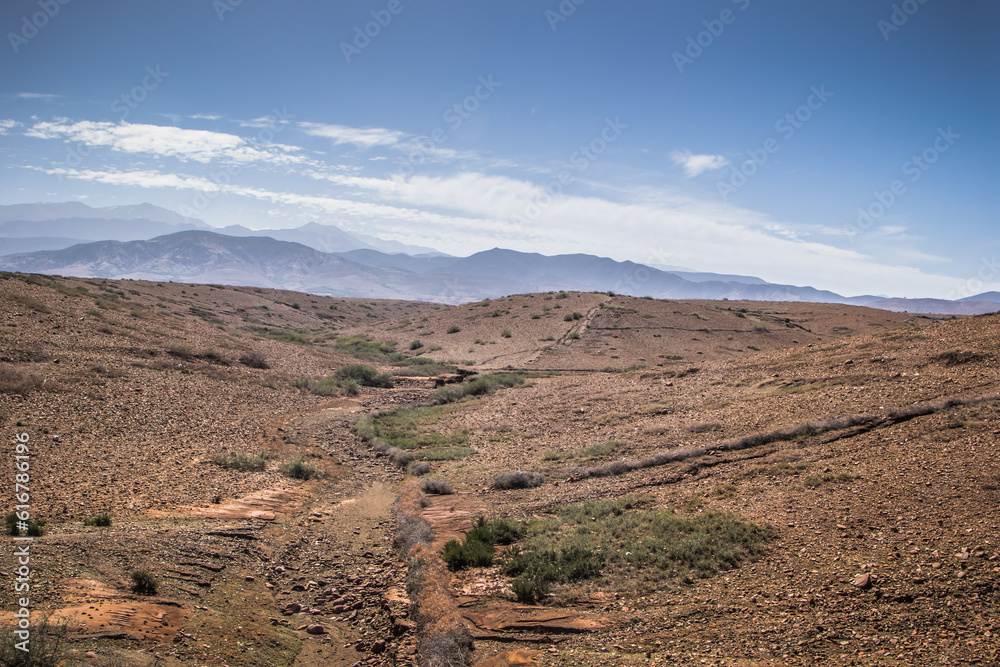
x=865, y=541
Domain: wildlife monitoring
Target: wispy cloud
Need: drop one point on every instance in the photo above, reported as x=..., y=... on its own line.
x=47, y=97
x=361, y=137
x=160, y=140
x=7, y=124
x=697, y=164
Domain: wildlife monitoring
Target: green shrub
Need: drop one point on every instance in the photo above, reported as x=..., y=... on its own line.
x=366, y=376
x=530, y=590
x=299, y=469
x=485, y=384
x=460, y=555
x=143, y=583
x=454, y=328
x=505, y=333
x=415, y=345
x=100, y=521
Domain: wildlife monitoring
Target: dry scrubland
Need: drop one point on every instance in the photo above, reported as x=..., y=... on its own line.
x=663, y=482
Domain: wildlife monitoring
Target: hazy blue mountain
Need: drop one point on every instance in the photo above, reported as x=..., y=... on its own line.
x=33, y=227
x=415, y=263
x=326, y=238
x=207, y=257
x=701, y=277
x=937, y=306
x=993, y=297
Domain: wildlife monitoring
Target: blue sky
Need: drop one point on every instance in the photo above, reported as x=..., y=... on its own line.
x=848, y=145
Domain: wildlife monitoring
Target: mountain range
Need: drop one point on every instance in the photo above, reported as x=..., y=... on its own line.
x=151, y=243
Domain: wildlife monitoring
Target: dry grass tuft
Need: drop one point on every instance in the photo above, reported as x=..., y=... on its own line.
x=518, y=479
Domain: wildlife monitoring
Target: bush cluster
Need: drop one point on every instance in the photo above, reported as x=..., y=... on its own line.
x=477, y=548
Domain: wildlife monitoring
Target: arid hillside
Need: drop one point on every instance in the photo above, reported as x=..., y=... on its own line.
x=594, y=330
x=661, y=482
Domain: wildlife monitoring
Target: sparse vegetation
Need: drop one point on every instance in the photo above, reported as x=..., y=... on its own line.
x=704, y=427
x=415, y=345
x=366, y=376
x=454, y=328
x=436, y=486
x=622, y=535
x=485, y=384
x=99, y=521
x=240, y=461
x=16, y=381
x=255, y=360
x=45, y=646
x=30, y=302
x=33, y=527
x=418, y=468
x=956, y=357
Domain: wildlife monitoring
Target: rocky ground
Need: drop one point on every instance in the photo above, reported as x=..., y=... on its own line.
x=129, y=390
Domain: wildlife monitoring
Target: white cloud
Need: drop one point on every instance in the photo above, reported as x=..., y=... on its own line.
x=7, y=124
x=160, y=140
x=697, y=164
x=361, y=137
